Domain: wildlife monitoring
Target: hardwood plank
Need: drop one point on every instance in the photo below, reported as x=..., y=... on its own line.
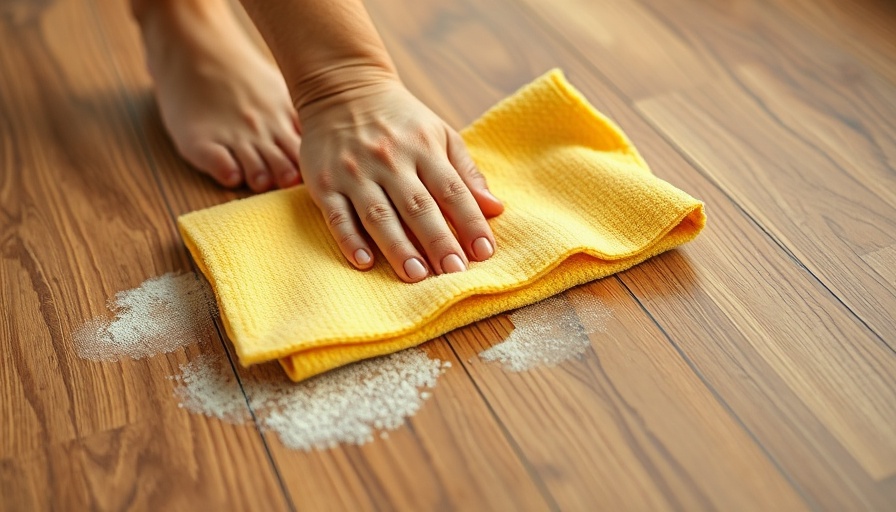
x=868, y=426
x=811, y=87
x=694, y=315
x=451, y=455
x=624, y=40
x=82, y=219
x=688, y=118
x=502, y=27
x=630, y=426
x=866, y=28
x=839, y=113
x=501, y=66
x=140, y=466
x=883, y=261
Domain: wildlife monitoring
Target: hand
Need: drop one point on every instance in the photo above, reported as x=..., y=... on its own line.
x=376, y=160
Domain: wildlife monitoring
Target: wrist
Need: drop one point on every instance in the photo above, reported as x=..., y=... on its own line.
x=338, y=82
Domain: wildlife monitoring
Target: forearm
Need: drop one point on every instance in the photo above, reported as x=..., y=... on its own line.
x=323, y=47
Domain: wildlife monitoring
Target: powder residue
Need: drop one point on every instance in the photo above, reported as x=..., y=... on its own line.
x=550, y=332
x=346, y=405
x=208, y=385
x=161, y=315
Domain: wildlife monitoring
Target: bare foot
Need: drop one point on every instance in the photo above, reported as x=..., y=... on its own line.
x=226, y=107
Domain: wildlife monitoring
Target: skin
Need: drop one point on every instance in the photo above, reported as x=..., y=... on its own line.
x=380, y=165
x=226, y=108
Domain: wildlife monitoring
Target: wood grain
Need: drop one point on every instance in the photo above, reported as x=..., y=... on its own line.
x=835, y=115
x=821, y=321
x=630, y=426
x=867, y=427
x=846, y=121
x=81, y=219
x=446, y=458
x=864, y=28
x=626, y=43
x=738, y=373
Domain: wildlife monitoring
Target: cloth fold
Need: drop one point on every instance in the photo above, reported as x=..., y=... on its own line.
x=580, y=204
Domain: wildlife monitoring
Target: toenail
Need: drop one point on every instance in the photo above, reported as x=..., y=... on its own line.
x=482, y=248
x=414, y=269
x=452, y=263
x=262, y=180
x=231, y=178
x=362, y=257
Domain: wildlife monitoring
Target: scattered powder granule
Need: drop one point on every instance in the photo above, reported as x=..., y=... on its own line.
x=207, y=385
x=550, y=332
x=346, y=405
x=161, y=315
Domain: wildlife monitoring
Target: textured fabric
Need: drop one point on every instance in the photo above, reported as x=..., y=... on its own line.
x=580, y=204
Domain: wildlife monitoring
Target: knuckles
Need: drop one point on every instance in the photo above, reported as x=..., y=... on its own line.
x=398, y=249
x=378, y=213
x=455, y=191
x=347, y=239
x=441, y=240
x=351, y=166
x=419, y=204
x=325, y=182
x=383, y=151
x=336, y=218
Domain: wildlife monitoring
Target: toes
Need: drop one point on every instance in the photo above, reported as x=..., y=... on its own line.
x=216, y=161
x=289, y=142
x=257, y=174
x=286, y=174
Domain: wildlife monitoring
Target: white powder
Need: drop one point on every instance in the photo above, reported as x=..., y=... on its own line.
x=161, y=315
x=346, y=405
x=550, y=332
x=209, y=386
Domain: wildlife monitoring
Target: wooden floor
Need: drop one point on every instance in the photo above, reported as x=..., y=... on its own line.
x=754, y=369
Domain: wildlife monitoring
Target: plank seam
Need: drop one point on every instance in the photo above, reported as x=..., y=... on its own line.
x=150, y=161
x=510, y=439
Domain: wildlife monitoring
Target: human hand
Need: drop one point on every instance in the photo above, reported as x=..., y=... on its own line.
x=376, y=154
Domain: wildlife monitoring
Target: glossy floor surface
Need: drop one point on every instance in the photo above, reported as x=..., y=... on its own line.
x=753, y=369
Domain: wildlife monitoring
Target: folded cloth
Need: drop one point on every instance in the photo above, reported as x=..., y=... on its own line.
x=580, y=204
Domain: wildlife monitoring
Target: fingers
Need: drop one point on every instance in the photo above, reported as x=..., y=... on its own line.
x=384, y=227
x=490, y=205
x=339, y=214
x=463, y=211
x=423, y=217
x=422, y=200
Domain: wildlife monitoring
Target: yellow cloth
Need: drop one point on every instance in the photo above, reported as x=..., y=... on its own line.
x=581, y=204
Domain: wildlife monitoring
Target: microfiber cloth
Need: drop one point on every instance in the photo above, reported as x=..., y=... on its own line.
x=580, y=204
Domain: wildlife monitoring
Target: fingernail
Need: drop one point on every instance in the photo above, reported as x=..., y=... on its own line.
x=362, y=257
x=482, y=248
x=414, y=269
x=492, y=196
x=262, y=180
x=452, y=263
